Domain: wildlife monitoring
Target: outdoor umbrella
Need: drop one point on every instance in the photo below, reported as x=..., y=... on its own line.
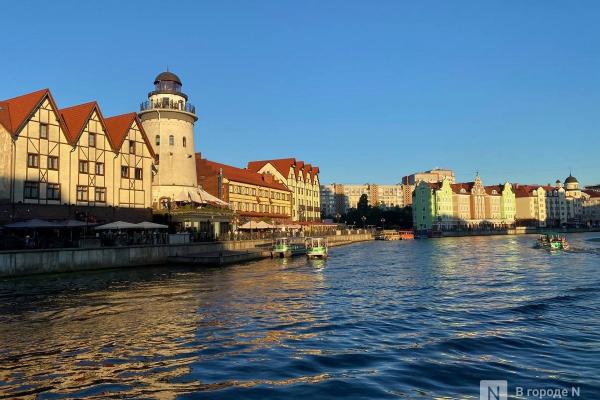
x=117, y=225
x=151, y=225
x=33, y=224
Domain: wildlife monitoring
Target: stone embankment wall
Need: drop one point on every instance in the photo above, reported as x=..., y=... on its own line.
x=28, y=262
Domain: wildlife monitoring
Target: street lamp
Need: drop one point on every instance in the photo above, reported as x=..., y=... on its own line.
x=364, y=220
x=383, y=223
x=337, y=217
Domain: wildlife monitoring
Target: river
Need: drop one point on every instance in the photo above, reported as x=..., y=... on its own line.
x=411, y=319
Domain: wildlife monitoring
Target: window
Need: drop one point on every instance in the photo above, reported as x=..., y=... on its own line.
x=184, y=142
x=53, y=191
x=132, y=147
x=124, y=171
x=157, y=140
x=31, y=190
x=83, y=167
x=139, y=173
x=171, y=140
x=99, y=168
x=43, y=131
x=82, y=193
x=52, y=162
x=92, y=140
x=100, y=194
x=33, y=160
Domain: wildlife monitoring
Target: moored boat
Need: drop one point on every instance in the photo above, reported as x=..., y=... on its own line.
x=283, y=248
x=316, y=247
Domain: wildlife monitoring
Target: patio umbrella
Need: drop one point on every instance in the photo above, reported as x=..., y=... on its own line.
x=72, y=223
x=33, y=224
x=117, y=225
x=151, y=225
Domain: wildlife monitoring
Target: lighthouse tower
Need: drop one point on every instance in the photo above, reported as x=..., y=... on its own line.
x=168, y=119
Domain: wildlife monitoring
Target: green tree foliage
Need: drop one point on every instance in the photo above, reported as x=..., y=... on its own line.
x=395, y=217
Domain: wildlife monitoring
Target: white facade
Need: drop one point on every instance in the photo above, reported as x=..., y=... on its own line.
x=168, y=120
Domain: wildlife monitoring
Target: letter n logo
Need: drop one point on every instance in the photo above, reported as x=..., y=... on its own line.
x=493, y=390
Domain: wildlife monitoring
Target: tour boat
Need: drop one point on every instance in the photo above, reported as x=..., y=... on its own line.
x=283, y=248
x=552, y=242
x=316, y=247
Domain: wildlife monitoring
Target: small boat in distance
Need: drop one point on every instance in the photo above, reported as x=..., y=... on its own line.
x=316, y=247
x=552, y=242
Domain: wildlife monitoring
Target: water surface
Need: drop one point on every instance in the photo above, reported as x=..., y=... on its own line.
x=412, y=319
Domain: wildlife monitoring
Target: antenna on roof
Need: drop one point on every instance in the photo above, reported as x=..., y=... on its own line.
x=167, y=67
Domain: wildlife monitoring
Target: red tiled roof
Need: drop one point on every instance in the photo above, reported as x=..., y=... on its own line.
x=118, y=126
x=497, y=188
x=76, y=118
x=14, y=112
x=591, y=193
x=456, y=187
x=238, y=174
x=525, y=190
x=282, y=165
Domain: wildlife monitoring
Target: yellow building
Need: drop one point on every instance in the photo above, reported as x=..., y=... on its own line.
x=531, y=205
x=301, y=179
x=73, y=156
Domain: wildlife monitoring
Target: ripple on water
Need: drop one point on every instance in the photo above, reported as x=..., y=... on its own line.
x=414, y=319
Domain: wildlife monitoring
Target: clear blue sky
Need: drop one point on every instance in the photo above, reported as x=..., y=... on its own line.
x=369, y=91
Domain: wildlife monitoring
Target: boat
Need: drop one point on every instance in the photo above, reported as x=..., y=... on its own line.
x=283, y=248
x=552, y=242
x=316, y=247
x=406, y=235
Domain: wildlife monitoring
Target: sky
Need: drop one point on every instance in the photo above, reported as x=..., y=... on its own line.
x=368, y=91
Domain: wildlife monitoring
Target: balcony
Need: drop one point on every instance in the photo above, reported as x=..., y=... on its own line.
x=166, y=104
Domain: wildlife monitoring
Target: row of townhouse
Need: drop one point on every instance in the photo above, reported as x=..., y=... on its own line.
x=301, y=179
x=446, y=206
x=452, y=206
x=337, y=198
x=71, y=156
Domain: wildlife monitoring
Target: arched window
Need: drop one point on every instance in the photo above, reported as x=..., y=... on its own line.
x=157, y=140
x=171, y=140
x=184, y=142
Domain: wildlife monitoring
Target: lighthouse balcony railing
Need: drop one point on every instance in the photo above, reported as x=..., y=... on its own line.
x=168, y=105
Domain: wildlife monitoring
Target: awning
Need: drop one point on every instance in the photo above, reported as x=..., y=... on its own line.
x=256, y=225
x=151, y=225
x=117, y=225
x=209, y=198
x=33, y=224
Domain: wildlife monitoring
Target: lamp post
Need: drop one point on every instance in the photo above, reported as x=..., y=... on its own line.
x=337, y=217
x=364, y=220
x=383, y=223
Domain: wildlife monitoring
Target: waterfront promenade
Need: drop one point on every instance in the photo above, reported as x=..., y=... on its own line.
x=28, y=262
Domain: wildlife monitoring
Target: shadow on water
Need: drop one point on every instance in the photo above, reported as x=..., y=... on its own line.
x=419, y=319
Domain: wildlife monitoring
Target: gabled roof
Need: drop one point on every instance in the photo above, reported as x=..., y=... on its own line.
x=525, y=190
x=15, y=112
x=118, y=126
x=498, y=188
x=76, y=118
x=283, y=165
x=457, y=187
x=237, y=174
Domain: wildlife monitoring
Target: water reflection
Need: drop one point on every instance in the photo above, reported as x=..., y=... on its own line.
x=421, y=318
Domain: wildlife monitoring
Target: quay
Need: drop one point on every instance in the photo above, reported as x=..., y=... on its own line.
x=44, y=261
